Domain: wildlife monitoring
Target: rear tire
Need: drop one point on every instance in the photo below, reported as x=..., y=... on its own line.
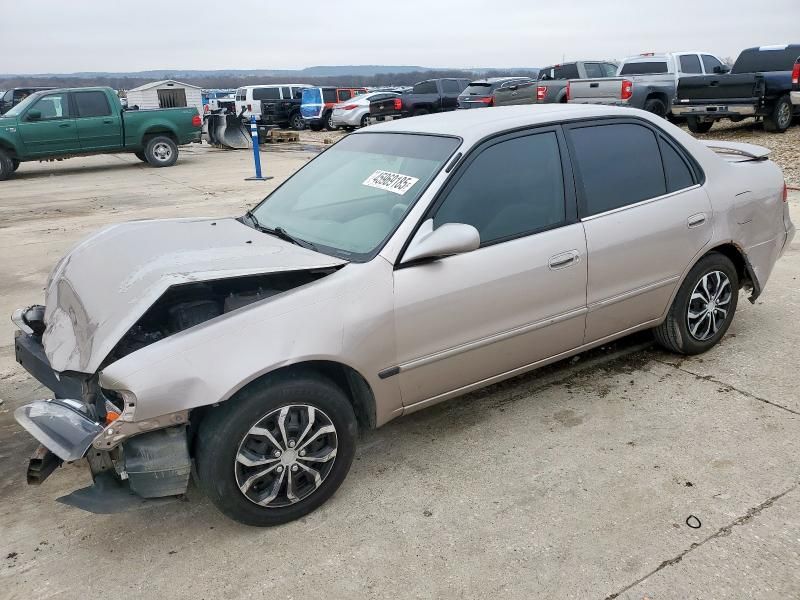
x=780, y=118
x=657, y=107
x=695, y=125
x=161, y=151
x=227, y=435
x=364, y=121
x=296, y=121
x=6, y=166
x=686, y=330
x=14, y=164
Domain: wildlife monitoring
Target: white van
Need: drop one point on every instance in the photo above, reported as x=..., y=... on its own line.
x=249, y=97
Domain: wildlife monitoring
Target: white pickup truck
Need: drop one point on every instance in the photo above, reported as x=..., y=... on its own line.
x=647, y=81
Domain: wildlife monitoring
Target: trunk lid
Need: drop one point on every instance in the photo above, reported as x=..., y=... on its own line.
x=107, y=282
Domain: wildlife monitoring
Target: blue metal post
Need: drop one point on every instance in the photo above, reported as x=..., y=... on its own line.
x=256, y=151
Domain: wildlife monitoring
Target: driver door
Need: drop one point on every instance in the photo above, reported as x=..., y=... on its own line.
x=518, y=299
x=54, y=132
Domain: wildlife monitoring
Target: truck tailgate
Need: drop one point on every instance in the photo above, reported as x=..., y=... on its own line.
x=601, y=91
x=732, y=87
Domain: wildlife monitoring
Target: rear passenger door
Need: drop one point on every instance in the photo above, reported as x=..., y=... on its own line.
x=645, y=215
x=98, y=128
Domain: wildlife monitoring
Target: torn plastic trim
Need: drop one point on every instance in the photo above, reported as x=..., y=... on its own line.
x=118, y=431
x=62, y=426
x=751, y=275
x=30, y=319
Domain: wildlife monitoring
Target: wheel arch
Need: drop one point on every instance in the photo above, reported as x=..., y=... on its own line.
x=156, y=130
x=738, y=257
x=348, y=379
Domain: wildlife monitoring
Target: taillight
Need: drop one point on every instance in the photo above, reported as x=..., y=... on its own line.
x=627, y=90
x=488, y=100
x=250, y=107
x=350, y=107
x=196, y=121
x=566, y=94
x=398, y=104
x=541, y=92
x=796, y=73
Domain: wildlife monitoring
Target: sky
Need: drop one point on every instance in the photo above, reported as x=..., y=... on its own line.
x=97, y=35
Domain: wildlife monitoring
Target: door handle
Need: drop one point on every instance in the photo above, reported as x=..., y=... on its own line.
x=696, y=220
x=562, y=260
x=108, y=121
x=594, y=85
x=64, y=125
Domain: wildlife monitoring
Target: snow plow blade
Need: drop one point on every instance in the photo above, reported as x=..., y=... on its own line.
x=228, y=131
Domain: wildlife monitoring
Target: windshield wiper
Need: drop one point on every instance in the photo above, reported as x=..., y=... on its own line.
x=278, y=232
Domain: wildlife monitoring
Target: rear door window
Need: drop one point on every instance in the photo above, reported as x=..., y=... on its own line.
x=91, y=104
x=425, y=87
x=286, y=93
x=677, y=170
x=270, y=93
x=618, y=164
x=329, y=96
x=451, y=86
x=690, y=63
x=512, y=188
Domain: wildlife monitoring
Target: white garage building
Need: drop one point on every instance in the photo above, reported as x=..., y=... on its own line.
x=166, y=94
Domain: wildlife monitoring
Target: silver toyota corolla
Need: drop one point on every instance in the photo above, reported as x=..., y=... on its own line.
x=355, y=112
x=410, y=263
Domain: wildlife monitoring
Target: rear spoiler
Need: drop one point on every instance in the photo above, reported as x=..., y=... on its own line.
x=745, y=151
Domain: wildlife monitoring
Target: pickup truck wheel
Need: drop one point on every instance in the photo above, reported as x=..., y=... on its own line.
x=6, y=166
x=276, y=451
x=657, y=107
x=297, y=123
x=695, y=125
x=14, y=164
x=140, y=155
x=780, y=118
x=161, y=151
x=703, y=308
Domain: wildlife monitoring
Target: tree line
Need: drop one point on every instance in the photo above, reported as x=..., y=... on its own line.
x=230, y=82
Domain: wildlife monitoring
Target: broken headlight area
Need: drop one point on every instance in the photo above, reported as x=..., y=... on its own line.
x=184, y=306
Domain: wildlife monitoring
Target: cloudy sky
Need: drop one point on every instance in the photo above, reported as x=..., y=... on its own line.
x=97, y=35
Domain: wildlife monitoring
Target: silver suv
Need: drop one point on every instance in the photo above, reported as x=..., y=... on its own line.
x=410, y=263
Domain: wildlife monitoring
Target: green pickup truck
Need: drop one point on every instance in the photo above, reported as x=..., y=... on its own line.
x=61, y=123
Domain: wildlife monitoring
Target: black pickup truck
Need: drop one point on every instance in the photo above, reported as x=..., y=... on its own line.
x=430, y=96
x=759, y=85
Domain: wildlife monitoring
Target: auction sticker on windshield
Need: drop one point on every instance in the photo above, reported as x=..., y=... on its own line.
x=396, y=183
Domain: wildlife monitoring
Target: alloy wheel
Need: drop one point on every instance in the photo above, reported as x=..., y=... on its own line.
x=162, y=152
x=708, y=305
x=286, y=455
x=784, y=115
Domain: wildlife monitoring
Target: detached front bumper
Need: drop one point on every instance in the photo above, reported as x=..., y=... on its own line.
x=149, y=458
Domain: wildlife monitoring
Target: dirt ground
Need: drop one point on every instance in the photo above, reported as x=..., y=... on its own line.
x=573, y=482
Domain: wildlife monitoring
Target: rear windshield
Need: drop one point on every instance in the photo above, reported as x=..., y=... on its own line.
x=479, y=89
x=312, y=96
x=649, y=67
x=754, y=60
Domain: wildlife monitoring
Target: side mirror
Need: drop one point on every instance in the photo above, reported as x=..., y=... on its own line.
x=722, y=69
x=446, y=240
x=34, y=115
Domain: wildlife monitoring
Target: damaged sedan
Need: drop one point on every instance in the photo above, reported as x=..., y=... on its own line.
x=410, y=263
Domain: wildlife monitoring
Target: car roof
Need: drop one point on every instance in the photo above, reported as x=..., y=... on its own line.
x=481, y=122
x=499, y=79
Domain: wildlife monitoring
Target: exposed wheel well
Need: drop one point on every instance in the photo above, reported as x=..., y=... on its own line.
x=735, y=254
x=346, y=378
x=659, y=96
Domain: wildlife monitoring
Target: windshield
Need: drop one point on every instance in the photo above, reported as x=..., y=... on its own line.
x=350, y=198
x=15, y=112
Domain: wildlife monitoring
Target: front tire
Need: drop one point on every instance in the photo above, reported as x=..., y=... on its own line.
x=703, y=308
x=161, y=151
x=780, y=118
x=364, y=121
x=278, y=450
x=695, y=125
x=297, y=122
x=7, y=167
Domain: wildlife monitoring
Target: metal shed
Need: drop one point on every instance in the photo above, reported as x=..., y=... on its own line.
x=166, y=94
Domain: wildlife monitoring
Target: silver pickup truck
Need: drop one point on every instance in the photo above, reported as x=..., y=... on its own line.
x=551, y=84
x=648, y=81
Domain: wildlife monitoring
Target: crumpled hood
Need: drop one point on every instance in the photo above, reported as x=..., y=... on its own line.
x=98, y=291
